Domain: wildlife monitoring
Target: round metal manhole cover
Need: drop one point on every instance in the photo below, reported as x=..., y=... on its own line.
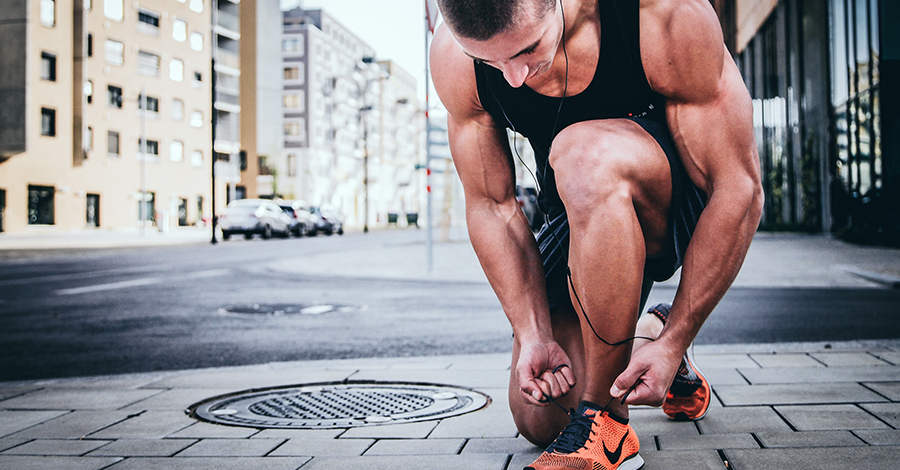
x=289, y=309
x=343, y=405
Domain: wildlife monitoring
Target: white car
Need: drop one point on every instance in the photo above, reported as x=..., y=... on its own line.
x=254, y=216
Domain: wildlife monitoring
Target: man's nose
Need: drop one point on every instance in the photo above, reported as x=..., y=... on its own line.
x=515, y=75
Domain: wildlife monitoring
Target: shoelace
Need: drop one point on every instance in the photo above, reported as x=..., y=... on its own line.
x=575, y=435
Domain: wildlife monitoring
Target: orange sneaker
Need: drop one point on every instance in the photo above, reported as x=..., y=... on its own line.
x=615, y=447
x=689, y=395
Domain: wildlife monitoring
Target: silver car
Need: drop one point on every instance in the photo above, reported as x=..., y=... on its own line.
x=254, y=216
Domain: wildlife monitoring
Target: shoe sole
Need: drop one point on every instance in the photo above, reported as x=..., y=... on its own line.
x=683, y=416
x=634, y=463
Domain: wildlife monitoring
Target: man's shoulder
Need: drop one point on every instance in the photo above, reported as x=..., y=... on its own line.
x=453, y=74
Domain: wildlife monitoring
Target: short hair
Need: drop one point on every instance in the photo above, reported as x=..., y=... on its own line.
x=483, y=19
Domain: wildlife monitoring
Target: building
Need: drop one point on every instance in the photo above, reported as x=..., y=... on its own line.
x=828, y=132
x=105, y=114
x=226, y=111
x=353, y=126
x=261, y=97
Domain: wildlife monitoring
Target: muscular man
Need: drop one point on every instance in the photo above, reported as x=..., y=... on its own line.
x=646, y=162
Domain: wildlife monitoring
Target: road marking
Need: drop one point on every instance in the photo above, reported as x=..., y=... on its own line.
x=84, y=275
x=112, y=286
x=208, y=273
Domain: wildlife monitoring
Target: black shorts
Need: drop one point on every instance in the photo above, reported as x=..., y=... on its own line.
x=688, y=202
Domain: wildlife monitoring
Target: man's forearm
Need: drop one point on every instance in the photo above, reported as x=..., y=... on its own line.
x=508, y=254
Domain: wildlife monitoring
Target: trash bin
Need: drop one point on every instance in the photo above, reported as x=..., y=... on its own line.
x=412, y=219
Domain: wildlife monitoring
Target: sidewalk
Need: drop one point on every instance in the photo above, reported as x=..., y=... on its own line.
x=791, y=406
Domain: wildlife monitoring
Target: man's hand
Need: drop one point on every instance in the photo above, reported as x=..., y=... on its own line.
x=543, y=368
x=648, y=375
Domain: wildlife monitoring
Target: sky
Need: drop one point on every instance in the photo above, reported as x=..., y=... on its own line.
x=394, y=28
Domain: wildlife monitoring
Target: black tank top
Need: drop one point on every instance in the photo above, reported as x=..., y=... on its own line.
x=619, y=89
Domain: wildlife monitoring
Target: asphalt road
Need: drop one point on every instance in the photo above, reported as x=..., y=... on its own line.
x=79, y=313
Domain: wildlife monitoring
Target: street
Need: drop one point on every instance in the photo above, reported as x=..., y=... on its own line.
x=113, y=311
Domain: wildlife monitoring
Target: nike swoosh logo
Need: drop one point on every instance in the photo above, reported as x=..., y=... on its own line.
x=614, y=457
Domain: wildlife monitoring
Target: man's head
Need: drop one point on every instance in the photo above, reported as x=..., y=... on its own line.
x=481, y=20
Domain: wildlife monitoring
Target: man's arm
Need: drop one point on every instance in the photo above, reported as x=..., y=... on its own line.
x=498, y=229
x=710, y=116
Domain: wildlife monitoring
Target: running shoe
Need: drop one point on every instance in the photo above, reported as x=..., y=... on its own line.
x=593, y=440
x=689, y=395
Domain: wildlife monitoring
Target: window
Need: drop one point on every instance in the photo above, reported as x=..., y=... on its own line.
x=89, y=91
x=176, y=151
x=149, y=18
x=290, y=45
x=48, y=13
x=112, y=143
x=291, y=129
x=48, y=122
x=292, y=165
x=114, y=96
x=176, y=70
x=179, y=30
x=92, y=213
x=114, y=9
x=40, y=205
x=152, y=104
x=197, y=119
x=198, y=77
x=48, y=66
x=89, y=138
x=115, y=52
x=197, y=5
x=152, y=147
x=196, y=41
x=177, y=109
x=197, y=158
x=148, y=64
x=295, y=102
x=291, y=73
x=90, y=45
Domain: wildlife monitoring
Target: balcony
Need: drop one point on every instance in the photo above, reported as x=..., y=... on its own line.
x=228, y=21
x=228, y=59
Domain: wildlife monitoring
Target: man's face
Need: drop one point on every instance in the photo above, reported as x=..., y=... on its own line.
x=525, y=50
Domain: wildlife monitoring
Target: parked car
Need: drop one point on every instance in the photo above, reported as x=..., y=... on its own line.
x=328, y=220
x=249, y=217
x=302, y=222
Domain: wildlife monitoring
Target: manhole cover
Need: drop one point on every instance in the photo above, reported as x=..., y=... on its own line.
x=289, y=309
x=343, y=405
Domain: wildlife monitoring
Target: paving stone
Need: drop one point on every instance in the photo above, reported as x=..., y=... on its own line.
x=231, y=448
x=77, y=399
x=44, y=463
x=178, y=399
x=324, y=447
x=143, y=448
x=200, y=430
x=837, y=458
x=653, y=422
x=149, y=425
x=477, y=426
x=430, y=365
x=299, y=433
x=724, y=361
x=793, y=375
x=471, y=378
x=416, y=447
x=9, y=391
x=809, y=439
x=849, y=359
x=889, y=412
x=788, y=394
x=412, y=462
x=14, y=421
x=74, y=425
x=56, y=447
x=880, y=437
x=9, y=443
x=829, y=417
x=724, y=377
x=888, y=389
x=786, y=360
x=707, y=441
x=500, y=446
x=891, y=356
x=694, y=460
x=419, y=430
x=247, y=379
x=742, y=420
x=212, y=463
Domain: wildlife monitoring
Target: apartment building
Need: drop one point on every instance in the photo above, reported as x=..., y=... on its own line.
x=226, y=50
x=106, y=113
x=353, y=125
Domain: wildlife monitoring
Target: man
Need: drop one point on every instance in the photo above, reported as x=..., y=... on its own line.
x=646, y=160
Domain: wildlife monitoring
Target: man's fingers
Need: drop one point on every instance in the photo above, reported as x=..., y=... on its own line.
x=567, y=374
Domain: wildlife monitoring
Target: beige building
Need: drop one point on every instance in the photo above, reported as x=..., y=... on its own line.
x=71, y=132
